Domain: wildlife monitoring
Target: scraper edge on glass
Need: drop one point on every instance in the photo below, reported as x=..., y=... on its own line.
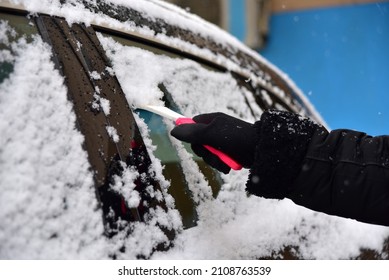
x=180, y=119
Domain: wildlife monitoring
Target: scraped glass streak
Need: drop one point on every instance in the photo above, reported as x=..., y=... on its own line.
x=48, y=206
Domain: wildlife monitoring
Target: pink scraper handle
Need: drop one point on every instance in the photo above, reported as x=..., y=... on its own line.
x=222, y=156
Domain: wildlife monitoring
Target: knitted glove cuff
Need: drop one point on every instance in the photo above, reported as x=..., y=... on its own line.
x=283, y=138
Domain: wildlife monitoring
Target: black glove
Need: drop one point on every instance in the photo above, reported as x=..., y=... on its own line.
x=234, y=137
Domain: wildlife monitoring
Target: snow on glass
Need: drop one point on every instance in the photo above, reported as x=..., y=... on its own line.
x=48, y=207
x=232, y=225
x=48, y=204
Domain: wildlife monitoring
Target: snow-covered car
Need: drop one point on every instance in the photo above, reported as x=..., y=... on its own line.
x=85, y=174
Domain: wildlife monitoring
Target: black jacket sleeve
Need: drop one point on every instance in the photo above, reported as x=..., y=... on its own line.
x=342, y=172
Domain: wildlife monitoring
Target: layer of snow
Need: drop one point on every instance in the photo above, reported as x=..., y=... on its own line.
x=48, y=207
x=48, y=203
x=140, y=72
x=232, y=226
x=124, y=185
x=74, y=11
x=100, y=103
x=112, y=132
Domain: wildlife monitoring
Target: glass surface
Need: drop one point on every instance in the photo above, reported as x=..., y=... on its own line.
x=172, y=169
x=13, y=27
x=142, y=68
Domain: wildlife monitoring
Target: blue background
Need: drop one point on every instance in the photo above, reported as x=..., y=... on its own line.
x=338, y=56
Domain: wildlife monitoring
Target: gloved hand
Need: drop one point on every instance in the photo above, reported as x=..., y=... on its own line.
x=234, y=137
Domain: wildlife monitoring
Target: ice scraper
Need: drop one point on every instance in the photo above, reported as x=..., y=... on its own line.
x=180, y=119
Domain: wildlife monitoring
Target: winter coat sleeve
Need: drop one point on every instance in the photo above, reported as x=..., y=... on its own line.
x=342, y=172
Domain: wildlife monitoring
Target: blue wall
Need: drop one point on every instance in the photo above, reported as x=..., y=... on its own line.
x=237, y=22
x=339, y=57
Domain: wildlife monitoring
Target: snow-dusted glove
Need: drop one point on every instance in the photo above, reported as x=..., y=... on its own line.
x=234, y=137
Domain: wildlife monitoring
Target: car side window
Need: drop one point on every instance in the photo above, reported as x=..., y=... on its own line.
x=152, y=75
